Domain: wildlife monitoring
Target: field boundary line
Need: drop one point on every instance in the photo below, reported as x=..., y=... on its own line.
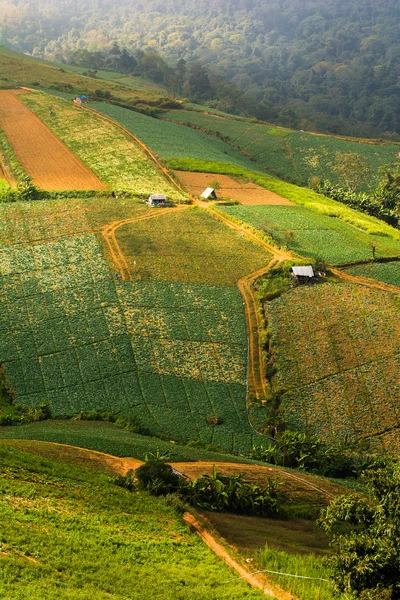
x=257, y=581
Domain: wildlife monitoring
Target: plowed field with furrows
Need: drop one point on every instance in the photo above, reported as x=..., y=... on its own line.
x=44, y=157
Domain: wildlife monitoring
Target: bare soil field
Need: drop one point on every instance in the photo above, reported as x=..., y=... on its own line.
x=243, y=192
x=44, y=157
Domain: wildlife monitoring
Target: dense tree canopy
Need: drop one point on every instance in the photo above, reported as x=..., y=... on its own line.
x=367, y=536
x=300, y=59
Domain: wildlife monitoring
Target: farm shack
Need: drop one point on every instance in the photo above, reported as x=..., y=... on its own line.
x=303, y=274
x=209, y=193
x=82, y=99
x=157, y=200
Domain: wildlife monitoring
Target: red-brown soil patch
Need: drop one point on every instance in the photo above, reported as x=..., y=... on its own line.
x=48, y=161
x=243, y=192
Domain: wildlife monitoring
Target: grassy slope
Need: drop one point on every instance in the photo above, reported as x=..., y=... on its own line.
x=105, y=437
x=293, y=155
x=68, y=532
x=19, y=69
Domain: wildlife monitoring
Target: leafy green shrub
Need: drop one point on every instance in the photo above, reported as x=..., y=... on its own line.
x=126, y=481
x=157, y=478
x=310, y=453
x=217, y=492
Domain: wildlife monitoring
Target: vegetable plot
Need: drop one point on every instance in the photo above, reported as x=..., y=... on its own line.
x=170, y=353
x=102, y=147
x=337, y=351
x=317, y=236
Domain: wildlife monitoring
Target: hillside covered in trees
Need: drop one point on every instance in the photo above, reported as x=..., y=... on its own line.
x=330, y=65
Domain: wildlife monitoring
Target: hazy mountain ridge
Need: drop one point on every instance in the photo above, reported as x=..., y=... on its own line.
x=304, y=60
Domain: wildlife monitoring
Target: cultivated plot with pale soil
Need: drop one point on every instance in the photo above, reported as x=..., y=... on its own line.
x=43, y=156
x=244, y=192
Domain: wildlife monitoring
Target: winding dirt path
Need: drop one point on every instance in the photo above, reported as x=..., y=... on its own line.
x=258, y=581
x=366, y=281
x=108, y=233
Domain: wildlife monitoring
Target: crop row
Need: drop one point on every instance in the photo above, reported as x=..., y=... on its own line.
x=102, y=147
x=315, y=235
x=170, y=353
x=297, y=156
x=171, y=140
x=337, y=350
x=387, y=272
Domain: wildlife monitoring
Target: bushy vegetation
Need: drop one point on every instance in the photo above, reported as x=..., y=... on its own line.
x=215, y=492
x=366, y=536
x=307, y=452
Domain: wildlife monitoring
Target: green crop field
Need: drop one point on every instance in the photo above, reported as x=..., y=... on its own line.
x=388, y=272
x=296, y=156
x=172, y=353
x=189, y=246
x=337, y=351
x=106, y=437
x=315, y=235
x=172, y=141
x=69, y=532
x=102, y=147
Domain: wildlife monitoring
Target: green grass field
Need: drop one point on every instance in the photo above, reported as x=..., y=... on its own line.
x=388, y=272
x=314, y=235
x=68, y=532
x=116, y=160
x=337, y=351
x=293, y=155
x=173, y=141
x=189, y=247
x=106, y=437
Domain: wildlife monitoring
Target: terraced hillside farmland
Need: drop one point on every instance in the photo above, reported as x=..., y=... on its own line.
x=172, y=141
x=292, y=155
x=337, y=351
x=117, y=160
x=171, y=353
x=50, y=164
x=315, y=235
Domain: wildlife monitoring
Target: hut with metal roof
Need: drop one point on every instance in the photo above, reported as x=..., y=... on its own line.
x=209, y=193
x=303, y=274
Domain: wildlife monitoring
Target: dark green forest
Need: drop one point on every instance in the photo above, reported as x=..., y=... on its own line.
x=327, y=65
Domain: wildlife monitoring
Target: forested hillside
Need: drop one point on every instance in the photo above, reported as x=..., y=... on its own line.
x=301, y=60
